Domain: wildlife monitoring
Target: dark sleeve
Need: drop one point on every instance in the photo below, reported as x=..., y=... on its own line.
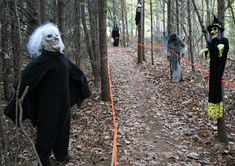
x=31, y=77
x=113, y=33
x=226, y=45
x=137, y=17
x=78, y=86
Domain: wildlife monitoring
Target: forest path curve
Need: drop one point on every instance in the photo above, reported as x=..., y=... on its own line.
x=161, y=123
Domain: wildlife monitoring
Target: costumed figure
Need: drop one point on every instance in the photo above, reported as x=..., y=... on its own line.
x=138, y=14
x=55, y=85
x=175, y=47
x=164, y=39
x=115, y=35
x=217, y=50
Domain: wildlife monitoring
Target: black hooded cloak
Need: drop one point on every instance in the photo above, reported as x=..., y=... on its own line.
x=55, y=85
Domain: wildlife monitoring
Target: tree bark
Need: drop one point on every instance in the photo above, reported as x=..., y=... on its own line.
x=123, y=24
x=78, y=33
x=61, y=16
x=232, y=12
x=164, y=17
x=142, y=33
x=4, y=56
x=5, y=157
x=169, y=19
x=177, y=16
x=92, y=8
x=105, y=95
x=151, y=19
x=139, y=31
x=190, y=35
x=42, y=7
x=88, y=41
x=126, y=25
x=208, y=5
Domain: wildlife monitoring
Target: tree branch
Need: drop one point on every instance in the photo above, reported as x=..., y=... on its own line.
x=21, y=125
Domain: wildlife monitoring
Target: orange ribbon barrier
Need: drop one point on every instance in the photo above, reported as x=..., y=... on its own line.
x=114, y=155
x=187, y=61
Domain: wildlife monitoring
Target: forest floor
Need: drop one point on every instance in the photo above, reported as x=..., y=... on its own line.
x=160, y=123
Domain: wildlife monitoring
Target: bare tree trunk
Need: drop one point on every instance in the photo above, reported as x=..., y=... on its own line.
x=177, y=16
x=105, y=95
x=4, y=56
x=151, y=19
x=92, y=8
x=42, y=11
x=169, y=19
x=126, y=24
x=97, y=49
x=123, y=24
x=88, y=41
x=78, y=33
x=5, y=149
x=208, y=5
x=139, y=31
x=114, y=10
x=15, y=47
x=61, y=16
x=203, y=21
x=231, y=9
x=190, y=35
x=142, y=33
x=164, y=17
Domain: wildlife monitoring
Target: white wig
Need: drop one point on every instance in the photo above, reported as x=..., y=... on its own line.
x=35, y=41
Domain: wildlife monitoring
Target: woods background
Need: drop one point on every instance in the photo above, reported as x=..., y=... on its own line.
x=82, y=26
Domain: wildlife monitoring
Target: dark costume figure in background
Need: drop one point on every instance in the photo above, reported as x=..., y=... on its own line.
x=115, y=35
x=175, y=47
x=217, y=50
x=164, y=39
x=55, y=84
x=138, y=14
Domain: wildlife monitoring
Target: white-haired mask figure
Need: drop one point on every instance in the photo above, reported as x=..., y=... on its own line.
x=45, y=37
x=55, y=85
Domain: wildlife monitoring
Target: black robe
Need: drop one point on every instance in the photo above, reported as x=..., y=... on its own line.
x=54, y=84
x=115, y=36
x=217, y=65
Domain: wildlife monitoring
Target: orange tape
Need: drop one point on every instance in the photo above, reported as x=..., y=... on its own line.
x=114, y=157
x=187, y=61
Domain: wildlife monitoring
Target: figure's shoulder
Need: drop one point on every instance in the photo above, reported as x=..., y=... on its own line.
x=224, y=40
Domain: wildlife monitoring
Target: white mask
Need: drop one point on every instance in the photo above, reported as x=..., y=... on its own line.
x=51, y=41
x=46, y=37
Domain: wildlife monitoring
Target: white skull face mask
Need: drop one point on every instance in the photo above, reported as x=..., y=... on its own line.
x=51, y=40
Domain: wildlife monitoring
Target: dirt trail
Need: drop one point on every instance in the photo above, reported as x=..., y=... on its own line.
x=162, y=123
x=142, y=140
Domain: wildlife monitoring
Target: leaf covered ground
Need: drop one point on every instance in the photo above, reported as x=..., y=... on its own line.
x=165, y=123
x=159, y=122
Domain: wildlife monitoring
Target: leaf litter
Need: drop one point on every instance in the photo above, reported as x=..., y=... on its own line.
x=159, y=122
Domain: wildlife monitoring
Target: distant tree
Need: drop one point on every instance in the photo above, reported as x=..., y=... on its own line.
x=139, y=22
x=93, y=17
x=190, y=35
x=169, y=17
x=61, y=15
x=151, y=18
x=77, y=40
